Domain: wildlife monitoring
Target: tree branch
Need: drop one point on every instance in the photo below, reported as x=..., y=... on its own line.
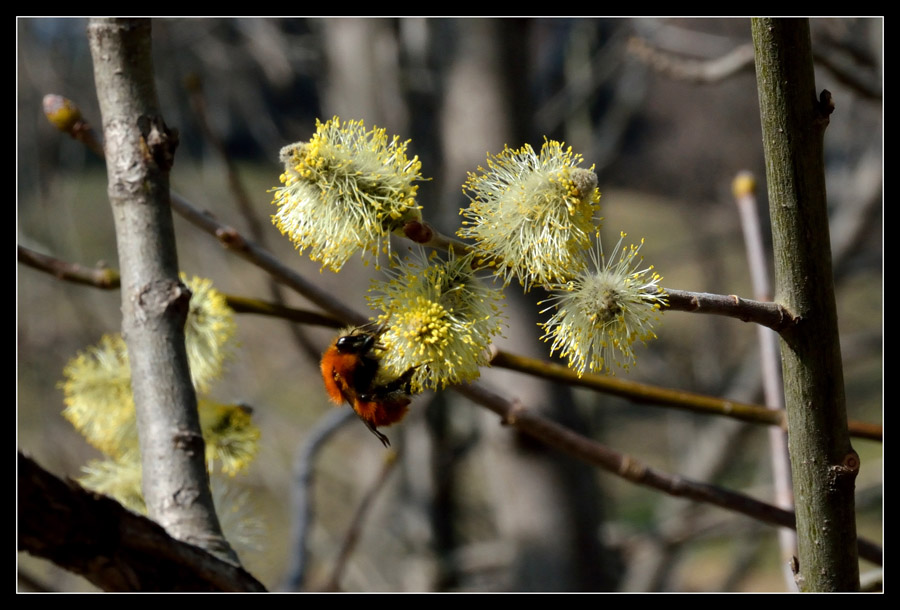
x=117, y=550
x=139, y=153
x=636, y=392
x=99, y=277
x=704, y=71
x=656, y=396
x=772, y=315
x=232, y=240
x=823, y=462
x=302, y=505
x=513, y=413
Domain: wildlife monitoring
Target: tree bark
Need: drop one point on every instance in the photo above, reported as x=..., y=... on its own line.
x=823, y=462
x=95, y=537
x=139, y=153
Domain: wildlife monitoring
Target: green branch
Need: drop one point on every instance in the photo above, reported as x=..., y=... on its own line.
x=823, y=462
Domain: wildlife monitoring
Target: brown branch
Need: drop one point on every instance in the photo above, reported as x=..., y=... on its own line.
x=353, y=532
x=738, y=60
x=525, y=420
x=275, y=310
x=232, y=240
x=636, y=392
x=115, y=549
x=771, y=315
x=656, y=396
x=99, y=277
x=106, y=278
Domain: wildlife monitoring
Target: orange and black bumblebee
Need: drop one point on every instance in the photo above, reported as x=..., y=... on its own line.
x=351, y=371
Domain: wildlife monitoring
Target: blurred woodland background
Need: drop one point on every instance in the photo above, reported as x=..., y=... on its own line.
x=470, y=505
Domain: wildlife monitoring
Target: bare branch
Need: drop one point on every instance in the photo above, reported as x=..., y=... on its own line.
x=231, y=239
x=823, y=461
x=301, y=494
x=513, y=413
x=106, y=278
x=275, y=310
x=99, y=277
x=636, y=392
x=771, y=315
x=662, y=397
x=740, y=59
x=139, y=153
x=115, y=549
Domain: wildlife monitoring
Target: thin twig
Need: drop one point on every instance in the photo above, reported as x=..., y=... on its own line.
x=302, y=495
x=634, y=391
x=244, y=205
x=771, y=315
x=526, y=420
x=275, y=310
x=232, y=240
x=738, y=60
x=353, y=532
x=108, y=279
x=657, y=396
x=744, y=190
x=99, y=277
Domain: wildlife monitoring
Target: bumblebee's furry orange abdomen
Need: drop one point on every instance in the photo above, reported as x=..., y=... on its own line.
x=384, y=411
x=347, y=374
x=337, y=372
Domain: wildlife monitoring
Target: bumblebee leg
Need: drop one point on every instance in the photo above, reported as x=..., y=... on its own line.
x=401, y=383
x=384, y=440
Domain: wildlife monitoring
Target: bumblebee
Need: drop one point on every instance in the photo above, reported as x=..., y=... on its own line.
x=350, y=370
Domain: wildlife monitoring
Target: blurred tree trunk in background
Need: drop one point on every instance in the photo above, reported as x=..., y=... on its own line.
x=547, y=508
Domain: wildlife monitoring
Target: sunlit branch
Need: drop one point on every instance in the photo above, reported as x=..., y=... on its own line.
x=615, y=386
x=771, y=315
x=659, y=397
